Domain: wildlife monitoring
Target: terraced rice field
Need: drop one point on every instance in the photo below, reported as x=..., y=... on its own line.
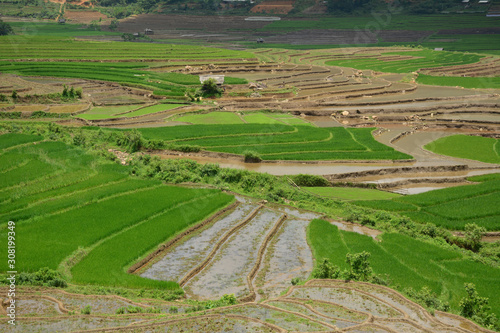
x=249, y=247
x=291, y=143
x=47, y=184
x=318, y=305
x=471, y=147
x=439, y=269
x=451, y=208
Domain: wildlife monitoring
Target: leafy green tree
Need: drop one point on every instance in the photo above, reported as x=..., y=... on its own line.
x=476, y=308
x=5, y=28
x=326, y=270
x=209, y=88
x=359, y=266
x=473, y=235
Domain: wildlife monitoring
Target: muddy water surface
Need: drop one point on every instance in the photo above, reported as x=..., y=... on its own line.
x=227, y=272
x=184, y=257
x=288, y=256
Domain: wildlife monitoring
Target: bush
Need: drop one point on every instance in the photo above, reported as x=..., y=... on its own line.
x=86, y=310
x=325, y=270
x=251, y=156
x=209, y=88
x=310, y=180
x=476, y=308
x=43, y=277
x=3, y=98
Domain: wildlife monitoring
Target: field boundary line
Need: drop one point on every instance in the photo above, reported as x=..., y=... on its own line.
x=112, y=196
x=252, y=296
x=329, y=138
x=297, y=300
x=17, y=166
x=393, y=292
x=295, y=130
x=163, y=248
x=298, y=314
x=355, y=140
x=62, y=196
x=218, y=245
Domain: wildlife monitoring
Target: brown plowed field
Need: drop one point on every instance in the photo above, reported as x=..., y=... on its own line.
x=273, y=7
x=84, y=17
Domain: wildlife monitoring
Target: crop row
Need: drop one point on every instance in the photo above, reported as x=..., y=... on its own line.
x=299, y=142
x=65, y=212
x=170, y=83
x=125, y=247
x=57, y=48
x=443, y=271
x=423, y=59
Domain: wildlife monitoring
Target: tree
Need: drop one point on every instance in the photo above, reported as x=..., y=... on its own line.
x=473, y=234
x=476, y=308
x=359, y=266
x=5, y=28
x=209, y=88
x=326, y=270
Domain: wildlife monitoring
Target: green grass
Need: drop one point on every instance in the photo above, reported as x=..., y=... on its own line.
x=443, y=271
x=260, y=118
x=11, y=140
x=33, y=30
x=124, y=248
x=452, y=207
x=351, y=193
x=470, y=147
x=482, y=43
x=59, y=196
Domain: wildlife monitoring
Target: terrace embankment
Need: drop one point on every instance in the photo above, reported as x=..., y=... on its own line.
x=319, y=305
x=247, y=248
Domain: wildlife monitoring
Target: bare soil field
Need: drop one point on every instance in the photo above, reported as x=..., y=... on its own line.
x=85, y=17
x=273, y=7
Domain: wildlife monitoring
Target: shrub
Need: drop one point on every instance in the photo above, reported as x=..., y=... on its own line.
x=86, y=310
x=209, y=88
x=173, y=309
x=251, y=156
x=325, y=270
x=359, y=266
x=476, y=308
x=310, y=180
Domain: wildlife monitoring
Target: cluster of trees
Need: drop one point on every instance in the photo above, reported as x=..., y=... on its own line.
x=5, y=28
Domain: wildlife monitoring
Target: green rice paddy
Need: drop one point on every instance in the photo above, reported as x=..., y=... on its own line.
x=408, y=262
x=451, y=208
x=470, y=147
x=59, y=197
x=351, y=193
